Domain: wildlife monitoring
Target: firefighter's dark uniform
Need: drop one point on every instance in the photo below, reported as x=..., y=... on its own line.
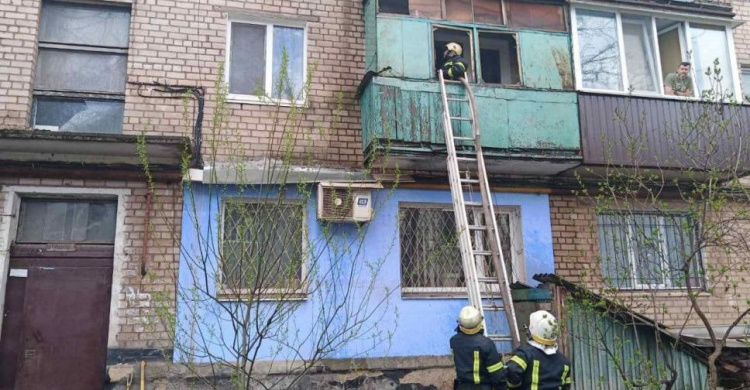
x=532, y=369
x=478, y=364
x=455, y=67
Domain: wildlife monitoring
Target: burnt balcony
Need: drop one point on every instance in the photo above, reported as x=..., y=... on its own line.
x=524, y=132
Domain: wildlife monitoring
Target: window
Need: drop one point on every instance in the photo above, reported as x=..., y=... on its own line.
x=499, y=58
x=67, y=220
x=443, y=36
x=746, y=85
x=648, y=250
x=622, y=52
x=263, y=246
x=544, y=15
x=430, y=257
x=266, y=61
x=498, y=54
x=81, y=67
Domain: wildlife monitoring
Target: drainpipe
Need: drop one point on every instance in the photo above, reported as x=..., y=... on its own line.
x=146, y=230
x=198, y=93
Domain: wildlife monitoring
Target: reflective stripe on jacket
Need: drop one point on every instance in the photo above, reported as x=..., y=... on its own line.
x=532, y=369
x=455, y=67
x=477, y=360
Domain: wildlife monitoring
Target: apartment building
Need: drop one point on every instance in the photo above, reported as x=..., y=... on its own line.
x=243, y=109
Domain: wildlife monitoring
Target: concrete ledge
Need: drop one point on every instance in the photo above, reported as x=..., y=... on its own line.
x=168, y=370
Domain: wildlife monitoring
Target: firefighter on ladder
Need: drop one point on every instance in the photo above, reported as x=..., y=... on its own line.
x=538, y=365
x=454, y=66
x=478, y=364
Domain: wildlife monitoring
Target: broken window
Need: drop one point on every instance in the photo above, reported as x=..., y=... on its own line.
x=266, y=61
x=430, y=257
x=648, y=251
x=67, y=220
x=443, y=36
x=498, y=54
x=81, y=67
x=263, y=246
x=543, y=16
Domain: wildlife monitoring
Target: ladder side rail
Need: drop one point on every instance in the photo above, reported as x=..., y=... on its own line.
x=498, y=259
x=467, y=257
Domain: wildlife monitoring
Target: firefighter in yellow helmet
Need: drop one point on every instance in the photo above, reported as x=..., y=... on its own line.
x=538, y=365
x=454, y=66
x=478, y=364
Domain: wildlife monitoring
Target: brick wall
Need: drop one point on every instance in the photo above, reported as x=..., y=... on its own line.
x=138, y=296
x=19, y=21
x=742, y=33
x=575, y=241
x=183, y=42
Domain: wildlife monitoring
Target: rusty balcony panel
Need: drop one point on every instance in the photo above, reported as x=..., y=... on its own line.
x=663, y=133
x=524, y=132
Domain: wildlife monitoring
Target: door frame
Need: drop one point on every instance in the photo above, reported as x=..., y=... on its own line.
x=9, y=227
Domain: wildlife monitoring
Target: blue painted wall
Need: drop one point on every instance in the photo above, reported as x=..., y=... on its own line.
x=409, y=327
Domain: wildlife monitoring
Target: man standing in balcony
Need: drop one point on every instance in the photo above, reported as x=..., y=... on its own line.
x=454, y=66
x=679, y=83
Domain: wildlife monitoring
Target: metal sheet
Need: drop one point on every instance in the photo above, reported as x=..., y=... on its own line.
x=634, y=347
x=661, y=130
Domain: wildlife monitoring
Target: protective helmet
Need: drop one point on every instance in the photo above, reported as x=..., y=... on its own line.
x=454, y=47
x=470, y=319
x=543, y=331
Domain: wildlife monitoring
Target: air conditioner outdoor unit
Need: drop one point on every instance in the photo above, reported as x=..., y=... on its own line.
x=345, y=202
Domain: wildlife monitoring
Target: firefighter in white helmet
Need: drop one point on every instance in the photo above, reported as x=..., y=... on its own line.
x=454, y=66
x=478, y=364
x=538, y=365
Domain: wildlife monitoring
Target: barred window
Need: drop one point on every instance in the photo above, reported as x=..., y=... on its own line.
x=644, y=251
x=263, y=246
x=430, y=256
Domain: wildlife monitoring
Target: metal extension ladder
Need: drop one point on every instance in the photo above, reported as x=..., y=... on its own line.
x=475, y=234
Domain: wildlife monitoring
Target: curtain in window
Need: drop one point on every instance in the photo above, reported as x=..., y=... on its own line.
x=639, y=53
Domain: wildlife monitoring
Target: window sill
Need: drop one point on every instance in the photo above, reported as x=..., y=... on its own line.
x=255, y=100
x=637, y=94
x=227, y=295
x=420, y=293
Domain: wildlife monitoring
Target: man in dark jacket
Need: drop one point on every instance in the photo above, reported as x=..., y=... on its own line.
x=478, y=365
x=454, y=66
x=538, y=365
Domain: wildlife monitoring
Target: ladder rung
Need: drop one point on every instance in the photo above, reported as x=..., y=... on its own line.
x=461, y=118
x=486, y=279
x=477, y=227
x=493, y=308
x=470, y=181
x=472, y=159
x=461, y=138
x=457, y=100
x=472, y=204
x=482, y=253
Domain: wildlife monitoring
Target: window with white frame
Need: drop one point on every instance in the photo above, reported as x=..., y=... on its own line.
x=623, y=52
x=81, y=67
x=745, y=75
x=649, y=251
x=430, y=257
x=266, y=61
x=263, y=246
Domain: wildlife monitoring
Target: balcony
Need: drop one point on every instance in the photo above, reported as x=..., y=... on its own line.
x=523, y=132
x=662, y=133
x=522, y=79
